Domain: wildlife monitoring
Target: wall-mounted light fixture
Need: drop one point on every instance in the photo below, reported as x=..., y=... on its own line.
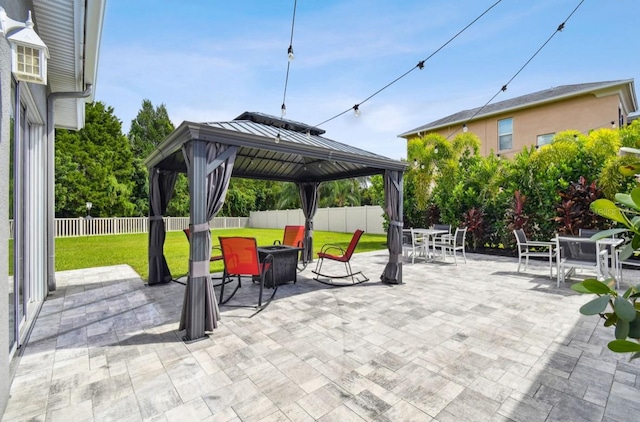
x=29, y=53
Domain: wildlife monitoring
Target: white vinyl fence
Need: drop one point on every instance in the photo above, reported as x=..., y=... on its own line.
x=345, y=220
x=69, y=227
x=369, y=218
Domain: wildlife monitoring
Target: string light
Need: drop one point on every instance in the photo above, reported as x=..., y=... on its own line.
x=277, y=138
x=419, y=65
x=356, y=109
x=504, y=87
x=465, y=128
x=290, y=57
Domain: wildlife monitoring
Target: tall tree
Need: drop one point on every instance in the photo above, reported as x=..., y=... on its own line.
x=148, y=129
x=94, y=165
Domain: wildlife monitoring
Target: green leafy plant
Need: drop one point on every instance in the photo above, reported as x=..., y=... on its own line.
x=623, y=315
x=624, y=312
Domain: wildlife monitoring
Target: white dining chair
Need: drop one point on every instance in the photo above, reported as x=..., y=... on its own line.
x=413, y=245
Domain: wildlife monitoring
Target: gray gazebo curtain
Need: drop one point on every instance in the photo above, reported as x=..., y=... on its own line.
x=161, y=185
x=393, y=208
x=209, y=166
x=309, y=199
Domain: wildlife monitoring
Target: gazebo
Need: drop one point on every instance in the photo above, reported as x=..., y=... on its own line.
x=258, y=146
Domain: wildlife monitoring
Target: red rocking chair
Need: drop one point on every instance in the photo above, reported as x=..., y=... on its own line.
x=344, y=257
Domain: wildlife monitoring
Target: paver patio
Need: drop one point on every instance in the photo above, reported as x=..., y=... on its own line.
x=472, y=342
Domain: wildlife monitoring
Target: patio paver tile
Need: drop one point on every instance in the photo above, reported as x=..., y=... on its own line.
x=473, y=341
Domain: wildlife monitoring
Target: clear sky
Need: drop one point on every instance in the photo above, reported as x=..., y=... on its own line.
x=211, y=60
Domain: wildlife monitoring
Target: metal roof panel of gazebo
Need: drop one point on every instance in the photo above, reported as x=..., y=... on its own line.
x=300, y=154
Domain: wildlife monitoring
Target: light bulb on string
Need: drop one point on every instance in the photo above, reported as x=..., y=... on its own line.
x=465, y=128
x=356, y=109
x=277, y=139
x=283, y=110
x=290, y=53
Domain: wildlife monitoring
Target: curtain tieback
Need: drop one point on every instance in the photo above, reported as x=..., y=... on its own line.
x=155, y=217
x=197, y=228
x=396, y=223
x=199, y=268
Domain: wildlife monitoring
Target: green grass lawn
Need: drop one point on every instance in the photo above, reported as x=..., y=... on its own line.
x=98, y=251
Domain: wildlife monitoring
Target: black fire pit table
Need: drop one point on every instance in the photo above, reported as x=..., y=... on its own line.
x=285, y=261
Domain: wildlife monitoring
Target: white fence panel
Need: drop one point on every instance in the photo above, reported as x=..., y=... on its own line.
x=374, y=219
x=337, y=220
x=69, y=227
x=321, y=219
x=345, y=220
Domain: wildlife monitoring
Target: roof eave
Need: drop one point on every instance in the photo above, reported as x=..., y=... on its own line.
x=189, y=130
x=628, y=82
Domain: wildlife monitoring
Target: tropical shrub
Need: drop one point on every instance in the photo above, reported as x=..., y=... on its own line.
x=574, y=212
x=474, y=222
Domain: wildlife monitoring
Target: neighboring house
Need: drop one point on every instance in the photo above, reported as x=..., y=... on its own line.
x=508, y=126
x=56, y=62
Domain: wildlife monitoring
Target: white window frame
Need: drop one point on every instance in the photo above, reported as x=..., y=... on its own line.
x=546, y=139
x=505, y=135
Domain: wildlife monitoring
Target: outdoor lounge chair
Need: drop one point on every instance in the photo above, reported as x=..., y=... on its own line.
x=542, y=250
x=344, y=256
x=294, y=236
x=240, y=256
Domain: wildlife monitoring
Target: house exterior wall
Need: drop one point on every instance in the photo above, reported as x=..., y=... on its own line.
x=5, y=103
x=583, y=113
x=34, y=100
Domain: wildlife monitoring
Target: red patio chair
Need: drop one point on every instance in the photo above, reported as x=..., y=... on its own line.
x=240, y=256
x=344, y=257
x=294, y=236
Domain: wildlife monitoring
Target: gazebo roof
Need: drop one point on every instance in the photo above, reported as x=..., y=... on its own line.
x=274, y=149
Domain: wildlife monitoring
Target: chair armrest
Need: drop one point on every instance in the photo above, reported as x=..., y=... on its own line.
x=277, y=242
x=328, y=247
x=539, y=243
x=216, y=254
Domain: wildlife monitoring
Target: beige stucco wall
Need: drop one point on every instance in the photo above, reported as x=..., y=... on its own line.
x=583, y=113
